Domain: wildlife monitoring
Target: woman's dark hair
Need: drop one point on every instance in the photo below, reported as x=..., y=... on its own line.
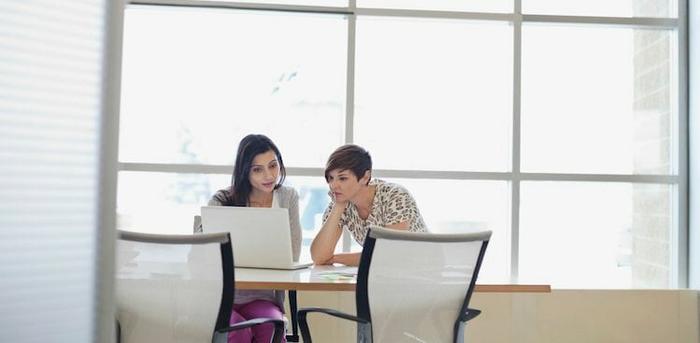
x=350, y=157
x=249, y=147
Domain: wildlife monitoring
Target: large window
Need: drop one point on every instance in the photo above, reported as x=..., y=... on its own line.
x=555, y=124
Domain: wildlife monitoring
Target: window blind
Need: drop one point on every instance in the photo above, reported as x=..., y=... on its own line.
x=51, y=62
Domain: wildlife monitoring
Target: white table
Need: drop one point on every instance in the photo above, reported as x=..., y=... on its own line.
x=313, y=279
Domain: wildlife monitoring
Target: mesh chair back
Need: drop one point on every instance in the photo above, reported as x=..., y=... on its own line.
x=173, y=288
x=417, y=284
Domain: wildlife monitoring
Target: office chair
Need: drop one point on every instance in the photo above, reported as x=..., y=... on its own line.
x=413, y=287
x=177, y=288
x=291, y=295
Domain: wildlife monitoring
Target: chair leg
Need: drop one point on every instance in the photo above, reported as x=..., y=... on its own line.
x=459, y=332
x=364, y=333
x=118, y=331
x=279, y=332
x=304, y=326
x=294, y=337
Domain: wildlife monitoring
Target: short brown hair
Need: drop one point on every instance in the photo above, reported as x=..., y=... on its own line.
x=349, y=157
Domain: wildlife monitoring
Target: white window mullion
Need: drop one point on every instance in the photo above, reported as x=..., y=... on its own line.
x=680, y=236
x=350, y=95
x=651, y=23
x=350, y=75
x=515, y=181
x=109, y=155
x=241, y=6
x=692, y=115
x=410, y=174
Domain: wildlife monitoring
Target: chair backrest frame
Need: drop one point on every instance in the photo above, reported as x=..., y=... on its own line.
x=362, y=287
x=463, y=314
x=227, y=263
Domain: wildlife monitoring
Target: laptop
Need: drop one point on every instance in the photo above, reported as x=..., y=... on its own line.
x=260, y=236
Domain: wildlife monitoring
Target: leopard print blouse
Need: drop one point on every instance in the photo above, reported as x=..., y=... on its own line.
x=392, y=204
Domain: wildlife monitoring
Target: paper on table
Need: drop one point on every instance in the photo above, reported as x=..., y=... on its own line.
x=339, y=274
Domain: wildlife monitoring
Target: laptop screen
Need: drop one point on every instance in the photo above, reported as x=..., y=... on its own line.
x=260, y=236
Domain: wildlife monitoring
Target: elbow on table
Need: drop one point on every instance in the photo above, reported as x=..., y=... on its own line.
x=321, y=259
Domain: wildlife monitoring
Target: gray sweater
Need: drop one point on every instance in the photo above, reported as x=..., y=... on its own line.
x=283, y=197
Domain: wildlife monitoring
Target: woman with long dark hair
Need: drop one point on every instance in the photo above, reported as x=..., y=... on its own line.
x=257, y=180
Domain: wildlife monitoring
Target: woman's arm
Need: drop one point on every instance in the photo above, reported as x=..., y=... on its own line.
x=323, y=245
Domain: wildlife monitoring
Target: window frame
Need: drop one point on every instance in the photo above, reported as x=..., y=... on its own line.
x=679, y=245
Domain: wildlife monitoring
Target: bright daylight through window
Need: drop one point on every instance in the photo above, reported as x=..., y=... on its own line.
x=554, y=125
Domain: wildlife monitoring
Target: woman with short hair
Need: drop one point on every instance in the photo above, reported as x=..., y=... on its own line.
x=358, y=202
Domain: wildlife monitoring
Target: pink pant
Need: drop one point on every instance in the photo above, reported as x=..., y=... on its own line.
x=254, y=309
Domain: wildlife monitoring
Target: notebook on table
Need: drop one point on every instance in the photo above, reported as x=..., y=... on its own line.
x=260, y=237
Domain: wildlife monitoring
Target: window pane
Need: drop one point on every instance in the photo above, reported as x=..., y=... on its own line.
x=168, y=202
x=500, y=6
x=468, y=205
x=191, y=92
x=596, y=235
x=313, y=200
x=439, y=88
x=627, y=8
x=163, y=202
x=598, y=100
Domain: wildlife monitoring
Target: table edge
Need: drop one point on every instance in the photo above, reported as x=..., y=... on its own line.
x=349, y=287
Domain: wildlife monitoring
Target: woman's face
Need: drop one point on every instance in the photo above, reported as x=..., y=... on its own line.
x=264, y=172
x=345, y=185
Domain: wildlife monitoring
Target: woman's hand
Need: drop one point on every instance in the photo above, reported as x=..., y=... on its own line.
x=340, y=205
x=348, y=259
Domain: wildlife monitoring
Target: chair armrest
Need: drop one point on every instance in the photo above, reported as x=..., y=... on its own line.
x=469, y=315
x=364, y=327
x=304, y=311
x=278, y=323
